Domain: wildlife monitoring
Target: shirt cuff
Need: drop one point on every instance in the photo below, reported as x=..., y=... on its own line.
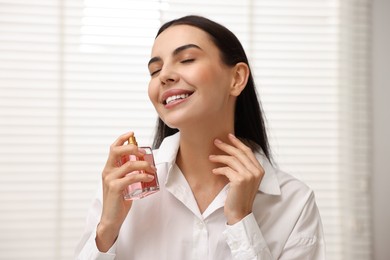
x=245, y=238
x=91, y=252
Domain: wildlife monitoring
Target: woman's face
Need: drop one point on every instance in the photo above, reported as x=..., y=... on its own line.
x=189, y=84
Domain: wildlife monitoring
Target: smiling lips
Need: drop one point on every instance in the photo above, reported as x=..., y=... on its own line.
x=175, y=97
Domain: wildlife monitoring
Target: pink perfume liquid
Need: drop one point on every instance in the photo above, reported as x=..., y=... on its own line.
x=140, y=190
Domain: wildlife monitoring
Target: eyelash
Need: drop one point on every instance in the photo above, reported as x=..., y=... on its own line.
x=154, y=73
x=183, y=61
x=187, y=60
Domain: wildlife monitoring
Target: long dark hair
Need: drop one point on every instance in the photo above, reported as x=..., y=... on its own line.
x=249, y=123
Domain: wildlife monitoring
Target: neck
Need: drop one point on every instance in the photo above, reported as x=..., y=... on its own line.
x=196, y=144
x=193, y=156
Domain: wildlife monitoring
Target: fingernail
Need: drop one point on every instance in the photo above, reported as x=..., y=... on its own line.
x=150, y=176
x=140, y=150
x=232, y=135
x=217, y=141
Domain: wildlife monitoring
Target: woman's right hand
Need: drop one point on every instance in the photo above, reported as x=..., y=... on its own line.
x=115, y=180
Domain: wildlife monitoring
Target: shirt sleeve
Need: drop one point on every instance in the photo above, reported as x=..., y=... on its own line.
x=86, y=248
x=246, y=241
x=306, y=241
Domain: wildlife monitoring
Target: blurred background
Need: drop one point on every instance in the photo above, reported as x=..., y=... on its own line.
x=73, y=76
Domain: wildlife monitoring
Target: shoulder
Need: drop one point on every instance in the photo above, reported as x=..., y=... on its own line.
x=295, y=201
x=289, y=182
x=295, y=194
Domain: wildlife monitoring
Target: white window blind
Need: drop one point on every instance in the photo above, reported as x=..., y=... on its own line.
x=73, y=76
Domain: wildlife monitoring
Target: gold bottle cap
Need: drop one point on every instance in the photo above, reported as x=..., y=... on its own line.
x=132, y=140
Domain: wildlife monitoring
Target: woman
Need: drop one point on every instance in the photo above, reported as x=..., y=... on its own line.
x=220, y=197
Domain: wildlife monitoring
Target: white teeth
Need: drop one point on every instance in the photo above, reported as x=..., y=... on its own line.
x=176, y=97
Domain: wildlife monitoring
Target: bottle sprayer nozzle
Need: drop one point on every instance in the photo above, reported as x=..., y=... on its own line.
x=132, y=140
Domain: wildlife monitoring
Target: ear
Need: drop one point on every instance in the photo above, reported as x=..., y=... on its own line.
x=240, y=78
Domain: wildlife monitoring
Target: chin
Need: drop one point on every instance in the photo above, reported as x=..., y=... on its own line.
x=183, y=119
x=169, y=123
x=173, y=121
x=173, y=126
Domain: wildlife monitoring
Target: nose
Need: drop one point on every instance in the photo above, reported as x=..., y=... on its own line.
x=168, y=76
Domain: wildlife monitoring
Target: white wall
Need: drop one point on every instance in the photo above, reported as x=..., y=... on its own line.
x=381, y=128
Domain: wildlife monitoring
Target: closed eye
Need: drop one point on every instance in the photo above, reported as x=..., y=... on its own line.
x=154, y=72
x=183, y=62
x=187, y=60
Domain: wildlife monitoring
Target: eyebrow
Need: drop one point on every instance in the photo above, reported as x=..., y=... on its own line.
x=175, y=52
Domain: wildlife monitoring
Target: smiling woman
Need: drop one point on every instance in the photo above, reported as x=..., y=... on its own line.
x=217, y=180
x=74, y=75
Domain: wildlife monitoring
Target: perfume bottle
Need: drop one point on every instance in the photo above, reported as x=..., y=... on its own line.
x=140, y=190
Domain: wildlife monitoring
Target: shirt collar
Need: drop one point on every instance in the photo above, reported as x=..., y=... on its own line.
x=168, y=149
x=269, y=184
x=170, y=146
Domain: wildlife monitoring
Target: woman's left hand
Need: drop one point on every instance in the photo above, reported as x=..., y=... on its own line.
x=244, y=173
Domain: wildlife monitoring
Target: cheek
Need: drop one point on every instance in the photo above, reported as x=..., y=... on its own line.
x=153, y=92
x=201, y=76
x=214, y=79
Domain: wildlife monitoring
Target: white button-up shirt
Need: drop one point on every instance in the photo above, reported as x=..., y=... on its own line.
x=285, y=222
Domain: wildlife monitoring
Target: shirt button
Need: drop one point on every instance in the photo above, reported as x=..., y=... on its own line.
x=200, y=225
x=234, y=246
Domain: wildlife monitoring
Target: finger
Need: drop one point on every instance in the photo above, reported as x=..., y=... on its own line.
x=140, y=166
x=118, y=185
x=237, y=153
x=122, y=139
x=140, y=177
x=128, y=167
x=247, y=150
x=230, y=161
x=227, y=172
x=121, y=154
x=113, y=154
x=238, y=173
x=118, y=149
x=236, y=179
